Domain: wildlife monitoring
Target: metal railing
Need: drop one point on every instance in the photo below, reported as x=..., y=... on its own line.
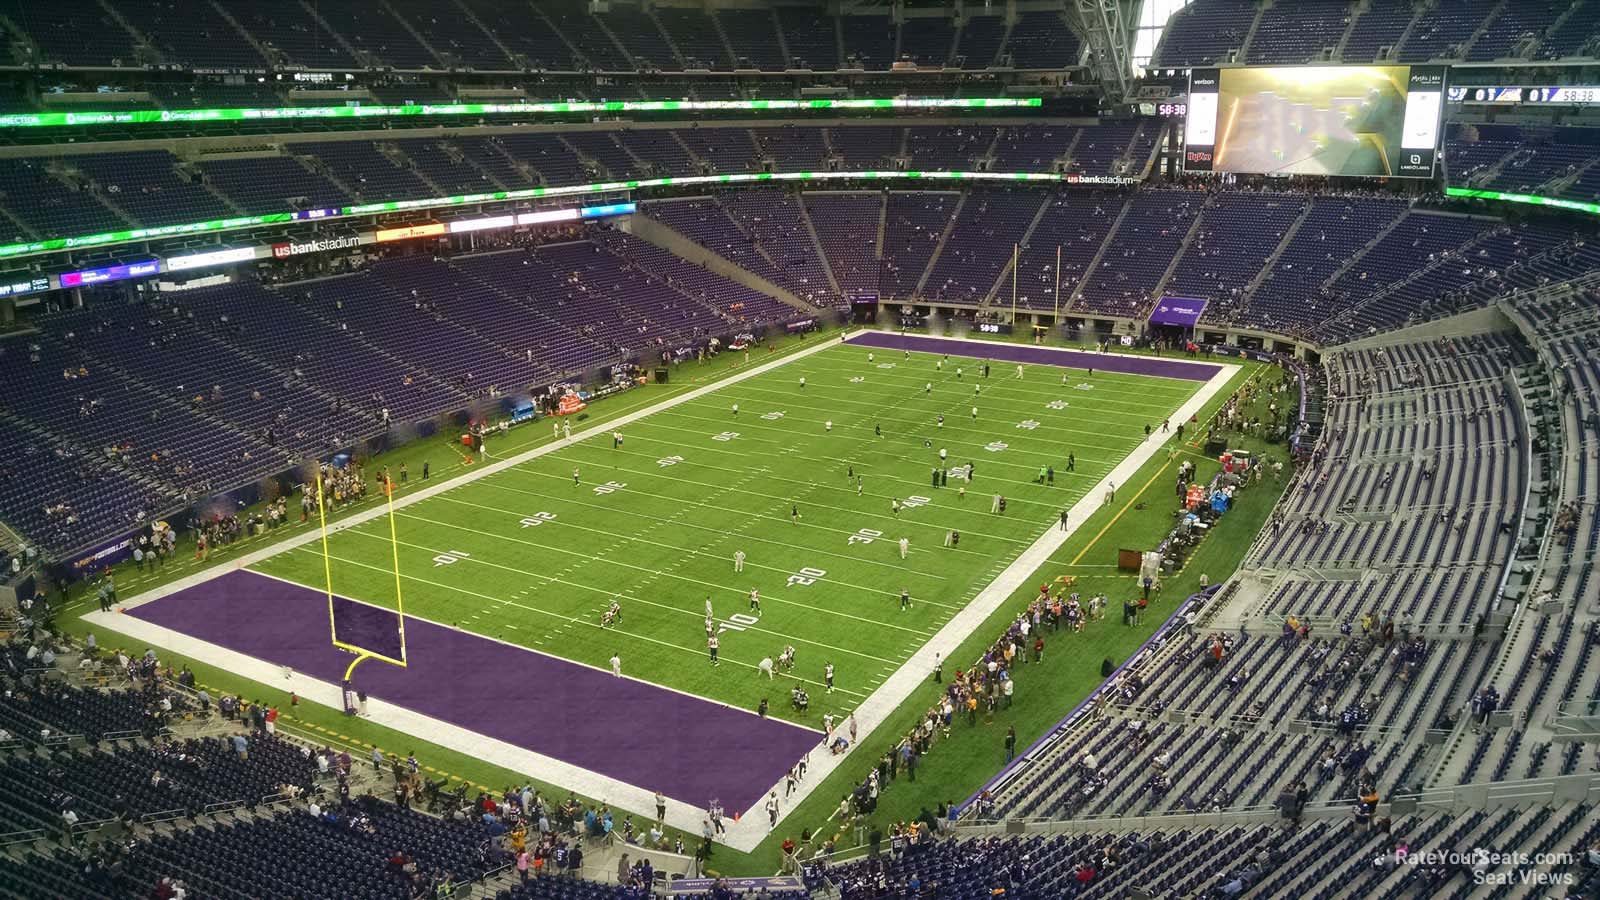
x=26, y=836
x=165, y=815
x=1247, y=722
x=1575, y=720
x=1581, y=789
x=1247, y=815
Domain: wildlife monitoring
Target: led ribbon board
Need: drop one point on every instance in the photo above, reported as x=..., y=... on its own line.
x=1565, y=95
x=18, y=284
x=84, y=277
x=109, y=238
x=290, y=113
x=211, y=258
x=284, y=250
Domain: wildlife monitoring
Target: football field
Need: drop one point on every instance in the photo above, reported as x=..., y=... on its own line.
x=534, y=555
x=813, y=468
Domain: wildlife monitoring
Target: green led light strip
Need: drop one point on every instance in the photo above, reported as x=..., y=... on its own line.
x=140, y=234
x=156, y=116
x=1555, y=202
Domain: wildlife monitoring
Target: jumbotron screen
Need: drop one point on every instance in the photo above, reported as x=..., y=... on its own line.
x=1363, y=121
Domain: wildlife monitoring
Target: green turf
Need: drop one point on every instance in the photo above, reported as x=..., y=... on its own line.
x=530, y=556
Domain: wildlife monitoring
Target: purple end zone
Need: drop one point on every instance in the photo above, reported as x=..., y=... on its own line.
x=366, y=626
x=690, y=749
x=1047, y=356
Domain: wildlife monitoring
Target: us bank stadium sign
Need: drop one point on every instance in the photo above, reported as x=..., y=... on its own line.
x=1075, y=178
x=296, y=248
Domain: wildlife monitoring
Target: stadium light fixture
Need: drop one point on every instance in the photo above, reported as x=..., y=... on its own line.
x=79, y=119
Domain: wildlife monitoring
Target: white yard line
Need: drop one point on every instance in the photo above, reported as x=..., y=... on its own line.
x=1131, y=384
x=963, y=450
x=885, y=517
x=879, y=476
x=606, y=592
x=957, y=414
x=721, y=556
x=730, y=589
x=566, y=620
x=1062, y=352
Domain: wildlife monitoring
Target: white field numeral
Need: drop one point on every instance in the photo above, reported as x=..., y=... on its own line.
x=773, y=416
x=725, y=436
x=995, y=446
x=914, y=501
x=1056, y=404
x=537, y=519
x=864, y=536
x=669, y=461
x=1028, y=424
x=806, y=576
x=450, y=558
x=738, y=622
x=610, y=487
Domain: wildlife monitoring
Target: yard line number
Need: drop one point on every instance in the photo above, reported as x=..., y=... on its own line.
x=806, y=576
x=737, y=622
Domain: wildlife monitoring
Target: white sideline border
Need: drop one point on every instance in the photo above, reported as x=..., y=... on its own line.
x=752, y=828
